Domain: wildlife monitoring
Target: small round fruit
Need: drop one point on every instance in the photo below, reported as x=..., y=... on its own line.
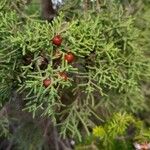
x=47, y=82
x=69, y=57
x=57, y=40
x=63, y=75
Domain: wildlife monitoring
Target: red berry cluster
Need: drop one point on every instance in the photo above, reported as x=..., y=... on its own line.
x=57, y=41
x=69, y=58
x=42, y=61
x=47, y=82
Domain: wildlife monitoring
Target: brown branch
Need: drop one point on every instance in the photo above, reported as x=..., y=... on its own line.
x=85, y=7
x=46, y=128
x=3, y=111
x=98, y=5
x=48, y=12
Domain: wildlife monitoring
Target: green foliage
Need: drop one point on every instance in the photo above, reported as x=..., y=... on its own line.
x=4, y=127
x=8, y=54
x=116, y=129
x=106, y=75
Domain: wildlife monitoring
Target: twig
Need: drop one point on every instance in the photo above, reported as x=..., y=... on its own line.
x=98, y=5
x=89, y=147
x=9, y=147
x=85, y=6
x=55, y=135
x=46, y=128
x=18, y=10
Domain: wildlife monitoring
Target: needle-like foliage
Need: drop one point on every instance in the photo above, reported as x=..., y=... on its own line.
x=105, y=76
